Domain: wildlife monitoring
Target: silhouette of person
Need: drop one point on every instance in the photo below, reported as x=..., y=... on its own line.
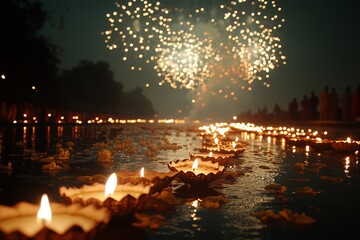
x=355, y=104
x=293, y=110
x=305, y=108
x=324, y=104
x=277, y=113
x=333, y=105
x=345, y=102
x=313, y=105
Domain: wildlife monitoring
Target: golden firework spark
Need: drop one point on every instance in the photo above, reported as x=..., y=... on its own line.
x=210, y=48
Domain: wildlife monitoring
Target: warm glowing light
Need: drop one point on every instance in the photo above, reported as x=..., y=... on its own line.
x=195, y=165
x=214, y=50
x=347, y=165
x=195, y=203
x=142, y=172
x=348, y=140
x=210, y=154
x=44, y=213
x=110, y=185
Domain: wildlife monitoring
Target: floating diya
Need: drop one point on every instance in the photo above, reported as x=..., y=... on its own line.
x=320, y=144
x=226, y=147
x=120, y=199
x=222, y=158
x=51, y=221
x=346, y=146
x=198, y=171
x=156, y=180
x=296, y=141
x=223, y=150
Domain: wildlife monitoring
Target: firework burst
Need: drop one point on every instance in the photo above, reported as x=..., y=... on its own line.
x=216, y=48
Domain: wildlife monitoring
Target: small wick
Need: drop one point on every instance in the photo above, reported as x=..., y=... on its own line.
x=43, y=222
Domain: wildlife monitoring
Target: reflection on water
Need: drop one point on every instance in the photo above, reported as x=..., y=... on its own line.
x=266, y=160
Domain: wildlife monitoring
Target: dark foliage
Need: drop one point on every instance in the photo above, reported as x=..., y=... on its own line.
x=26, y=58
x=33, y=85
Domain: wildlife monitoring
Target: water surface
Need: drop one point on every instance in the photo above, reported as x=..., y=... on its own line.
x=266, y=160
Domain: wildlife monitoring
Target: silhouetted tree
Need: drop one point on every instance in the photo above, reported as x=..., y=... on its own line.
x=90, y=87
x=29, y=62
x=26, y=58
x=137, y=105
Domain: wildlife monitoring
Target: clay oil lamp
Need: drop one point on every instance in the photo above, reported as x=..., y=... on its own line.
x=198, y=171
x=53, y=221
x=157, y=181
x=121, y=199
x=225, y=146
x=345, y=146
x=319, y=144
x=293, y=137
x=222, y=158
x=233, y=148
x=296, y=141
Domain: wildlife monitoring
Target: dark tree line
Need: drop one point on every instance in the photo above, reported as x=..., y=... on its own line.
x=26, y=58
x=31, y=80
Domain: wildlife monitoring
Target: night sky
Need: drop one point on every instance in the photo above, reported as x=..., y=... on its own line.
x=319, y=38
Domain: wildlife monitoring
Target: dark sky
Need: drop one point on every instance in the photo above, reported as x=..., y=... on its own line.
x=319, y=38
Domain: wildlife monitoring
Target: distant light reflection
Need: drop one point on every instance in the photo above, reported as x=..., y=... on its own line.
x=283, y=143
x=194, y=214
x=347, y=166
x=33, y=136
x=24, y=135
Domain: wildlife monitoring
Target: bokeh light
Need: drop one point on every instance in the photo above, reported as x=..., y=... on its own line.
x=211, y=47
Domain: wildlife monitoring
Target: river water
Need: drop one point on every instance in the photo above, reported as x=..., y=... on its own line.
x=265, y=161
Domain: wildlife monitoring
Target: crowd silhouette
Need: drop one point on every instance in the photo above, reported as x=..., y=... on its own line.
x=329, y=105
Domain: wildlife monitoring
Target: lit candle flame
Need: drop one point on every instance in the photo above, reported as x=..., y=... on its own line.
x=348, y=140
x=233, y=144
x=195, y=165
x=142, y=172
x=110, y=185
x=210, y=154
x=44, y=213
